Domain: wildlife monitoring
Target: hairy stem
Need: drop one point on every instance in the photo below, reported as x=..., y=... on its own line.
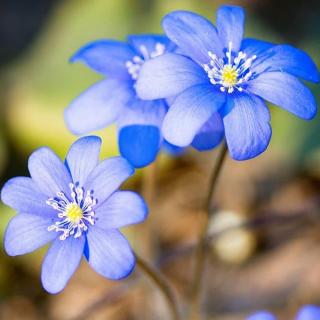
x=200, y=254
x=162, y=285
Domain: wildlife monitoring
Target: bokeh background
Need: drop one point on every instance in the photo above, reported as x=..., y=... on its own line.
x=270, y=263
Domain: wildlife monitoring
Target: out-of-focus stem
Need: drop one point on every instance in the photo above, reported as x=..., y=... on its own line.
x=200, y=254
x=162, y=285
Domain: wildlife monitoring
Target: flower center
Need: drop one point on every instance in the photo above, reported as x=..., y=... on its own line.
x=75, y=213
x=229, y=76
x=136, y=63
x=231, y=72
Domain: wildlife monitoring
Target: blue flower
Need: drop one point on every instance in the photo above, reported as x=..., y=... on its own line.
x=114, y=100
x=219, y=72
x=308, y=312
x=76, y=206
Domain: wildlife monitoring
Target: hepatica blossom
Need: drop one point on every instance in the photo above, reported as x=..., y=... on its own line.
x=114, y=99
x=76, y=206
x=220, y=74
x=305, y=313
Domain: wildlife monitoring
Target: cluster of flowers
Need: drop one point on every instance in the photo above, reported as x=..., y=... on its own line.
x=195, y=86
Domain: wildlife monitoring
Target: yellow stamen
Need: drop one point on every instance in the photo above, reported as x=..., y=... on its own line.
x=74, y=212
x=229, y=76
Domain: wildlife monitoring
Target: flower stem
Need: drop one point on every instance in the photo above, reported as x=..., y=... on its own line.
x=162, y=285
x=200, y=254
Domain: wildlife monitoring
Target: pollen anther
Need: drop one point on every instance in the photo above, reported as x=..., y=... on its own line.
x=75, y=214
x=231, y=72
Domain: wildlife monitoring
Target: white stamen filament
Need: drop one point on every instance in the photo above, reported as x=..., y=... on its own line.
x=75, y=214
x=230, y=73
x=136, y=63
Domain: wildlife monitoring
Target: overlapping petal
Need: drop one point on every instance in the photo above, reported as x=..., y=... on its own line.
x=107, y=177
x=150, y=41
x=98, y=106
x=167, y=76
x=171, y=149
x=140, y=144
x=61, y=261
x=286, y=58
x=139, y=131
x=23, y=195
x=143, y=112
x=108, y=57
x=109, y=253
x=286, y=92
x=26, y=233
x=255, y=47
x=48, y=172
x=247, y=127
x=210, y=135
x=193, y=34
x=189, y=112
x=121, y=209
x=83, y=157
x=230, y=25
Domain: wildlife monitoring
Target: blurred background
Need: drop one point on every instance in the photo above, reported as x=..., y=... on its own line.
x=272, y=262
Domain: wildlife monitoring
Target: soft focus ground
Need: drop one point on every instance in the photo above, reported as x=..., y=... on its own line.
x=273, y=263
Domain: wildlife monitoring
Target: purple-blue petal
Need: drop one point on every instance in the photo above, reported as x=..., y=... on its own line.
x=48, y=172
x=26, y=233
x=98, y=106
x=149, y=41
x=121, y=209
x=285, y=91
x=139, y=131
x=107, y=178
x=285, y=58
x=83, y=157
x=230, y=25
x=210, y=135
x=108, y=57
x=23, y=195
x=309, y=312
x=194, y=35
x=143, y=112
x=262, y=315
x=139, y=144
x=171, y=149
x=247, y=127
x=254, y=46
x=168, y=75
x=189, y=112
x=109, y=253
x=60, y=262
